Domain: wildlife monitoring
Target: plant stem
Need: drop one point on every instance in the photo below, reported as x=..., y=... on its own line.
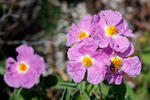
x=100, y=92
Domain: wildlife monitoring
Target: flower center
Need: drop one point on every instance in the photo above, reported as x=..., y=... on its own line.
x=87, y=61
x=22, y=67
x=111, y=30
x=116, y=62
x=81, y=35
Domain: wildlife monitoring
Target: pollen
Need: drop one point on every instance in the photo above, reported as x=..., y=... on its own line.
x=87, y=61
x=111, y=30
x=116, y=61
x=81, y=35
x=22, y=67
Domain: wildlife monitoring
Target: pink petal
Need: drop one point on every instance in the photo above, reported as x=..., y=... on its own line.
x=75, y=70
x=132, y=66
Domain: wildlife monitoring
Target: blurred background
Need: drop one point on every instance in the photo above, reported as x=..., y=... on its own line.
x=43, y=24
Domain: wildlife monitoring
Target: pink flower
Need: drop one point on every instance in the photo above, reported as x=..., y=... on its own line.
x=25, y=71
x=112, y=30
x=83, y=56
x=121, y=63
x=80, y=31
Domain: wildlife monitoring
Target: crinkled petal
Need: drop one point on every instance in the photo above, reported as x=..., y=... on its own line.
x=101, y=58
x=75, y=70
x=86, y=25
x=108, y=50
x=97, y=71
x=24, y=51
x=127, y=52
x=95, y=19
x=81, y=48
x=37, y=63
x=96, y=74
x=111, y=17
x=12, y=79
x=122, y=28
x=72, y=35
x=114, y=78
x=16, y=79
x=101, y=39
x=118, y=79
x=10, y=64
x=29, y=79
x=120, y=43
x=132, y=66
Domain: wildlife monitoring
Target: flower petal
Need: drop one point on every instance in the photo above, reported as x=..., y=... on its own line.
x=81, y=48
x=24, y=51
x=100, y=38
x=85, y=24
x=75, y=70
x=118, y=79
x=122, y=28
x=72, y=35
x=131, y=66
x=120, y=43
x=96, y=74
x=114, y=78
x=10, y=64
x=37, y=63
x=111, y=17
x=127, y=52
x=29, y=79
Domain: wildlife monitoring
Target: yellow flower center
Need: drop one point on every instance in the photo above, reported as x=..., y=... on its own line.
x=22, y=67
x=81, y=35
x=87, y=61
x=116, y=61
x=111, y=30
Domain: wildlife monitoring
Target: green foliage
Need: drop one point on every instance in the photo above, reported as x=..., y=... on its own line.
x=2, y=67
x=145, y=56
x=16, y=95
x=77, y=96
x=48, y=16
x=117, y=92
x=130, y=93
x=66, y=94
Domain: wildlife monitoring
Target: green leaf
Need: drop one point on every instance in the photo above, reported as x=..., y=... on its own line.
x=77, y=96
x=104, y=89
x=2, y=67
x=66, y=94
x=66, y=84
x=82, y=86
x=83, y=90
x=85, y=96
x=16, y=95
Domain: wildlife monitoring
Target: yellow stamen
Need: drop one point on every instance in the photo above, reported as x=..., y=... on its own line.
x=116, y=61
x=87, y=61
x=81, y=35
x=111, y=30
x=22, y=67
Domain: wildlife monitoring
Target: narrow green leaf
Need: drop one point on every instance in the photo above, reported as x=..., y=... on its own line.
x=66, y=94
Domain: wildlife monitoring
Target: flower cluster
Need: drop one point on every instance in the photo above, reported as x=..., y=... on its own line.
x=100, y=48
x=25, y=71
